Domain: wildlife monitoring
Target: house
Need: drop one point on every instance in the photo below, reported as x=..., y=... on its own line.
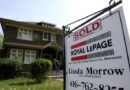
x=30, y=40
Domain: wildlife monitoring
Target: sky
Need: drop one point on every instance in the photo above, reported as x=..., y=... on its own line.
x=59, y=12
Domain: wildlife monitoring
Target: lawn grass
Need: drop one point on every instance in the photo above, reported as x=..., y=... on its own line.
x=29, y=84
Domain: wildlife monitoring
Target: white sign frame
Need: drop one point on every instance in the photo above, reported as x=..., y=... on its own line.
x=105, y=72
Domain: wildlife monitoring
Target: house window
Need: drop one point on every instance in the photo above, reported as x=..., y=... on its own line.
x=45, y=36
x=30, y=55
x=16, y=54
x=24, y=34
x=53, y=37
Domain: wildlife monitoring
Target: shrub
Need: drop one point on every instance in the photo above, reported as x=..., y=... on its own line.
x=40, y=68
x=9, y=68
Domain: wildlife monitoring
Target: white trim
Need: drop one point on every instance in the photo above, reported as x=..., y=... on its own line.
x=17, y=53
x=53, y=37
x=29, y=56
x=45, y=39
x=24, y=34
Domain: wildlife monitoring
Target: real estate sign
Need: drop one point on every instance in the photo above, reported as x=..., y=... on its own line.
x=97, y=55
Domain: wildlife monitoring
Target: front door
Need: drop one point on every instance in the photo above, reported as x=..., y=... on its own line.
x=49, y=53
x=48, y=56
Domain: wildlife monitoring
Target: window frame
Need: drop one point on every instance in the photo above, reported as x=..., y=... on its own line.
x=53, y=37
x=25, y=34
x=30, y=54
x=45, y=39
x=16, y=54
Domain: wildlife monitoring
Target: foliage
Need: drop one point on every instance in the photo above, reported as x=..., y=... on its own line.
x=29, y=84
x=40, y=68
x=9, y=68
x=1, y=40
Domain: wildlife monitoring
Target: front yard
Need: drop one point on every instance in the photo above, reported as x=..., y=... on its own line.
x=29, y=84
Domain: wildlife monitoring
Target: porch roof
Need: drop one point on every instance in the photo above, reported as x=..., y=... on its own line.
x=52, y=45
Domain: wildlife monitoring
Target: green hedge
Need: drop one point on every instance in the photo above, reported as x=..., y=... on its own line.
x=9, y=68
x=40, y=68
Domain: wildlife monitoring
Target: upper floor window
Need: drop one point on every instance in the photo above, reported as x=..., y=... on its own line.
x=45, y=36
x=24, y=34
x=53, y=37
x=16, y=54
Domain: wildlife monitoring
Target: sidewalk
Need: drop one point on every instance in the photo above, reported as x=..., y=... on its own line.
x=56, y=75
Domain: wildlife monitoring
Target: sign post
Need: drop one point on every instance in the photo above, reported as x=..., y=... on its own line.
x=97, y=55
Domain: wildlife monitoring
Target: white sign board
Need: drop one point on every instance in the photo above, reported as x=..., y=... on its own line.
x=97, y=55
